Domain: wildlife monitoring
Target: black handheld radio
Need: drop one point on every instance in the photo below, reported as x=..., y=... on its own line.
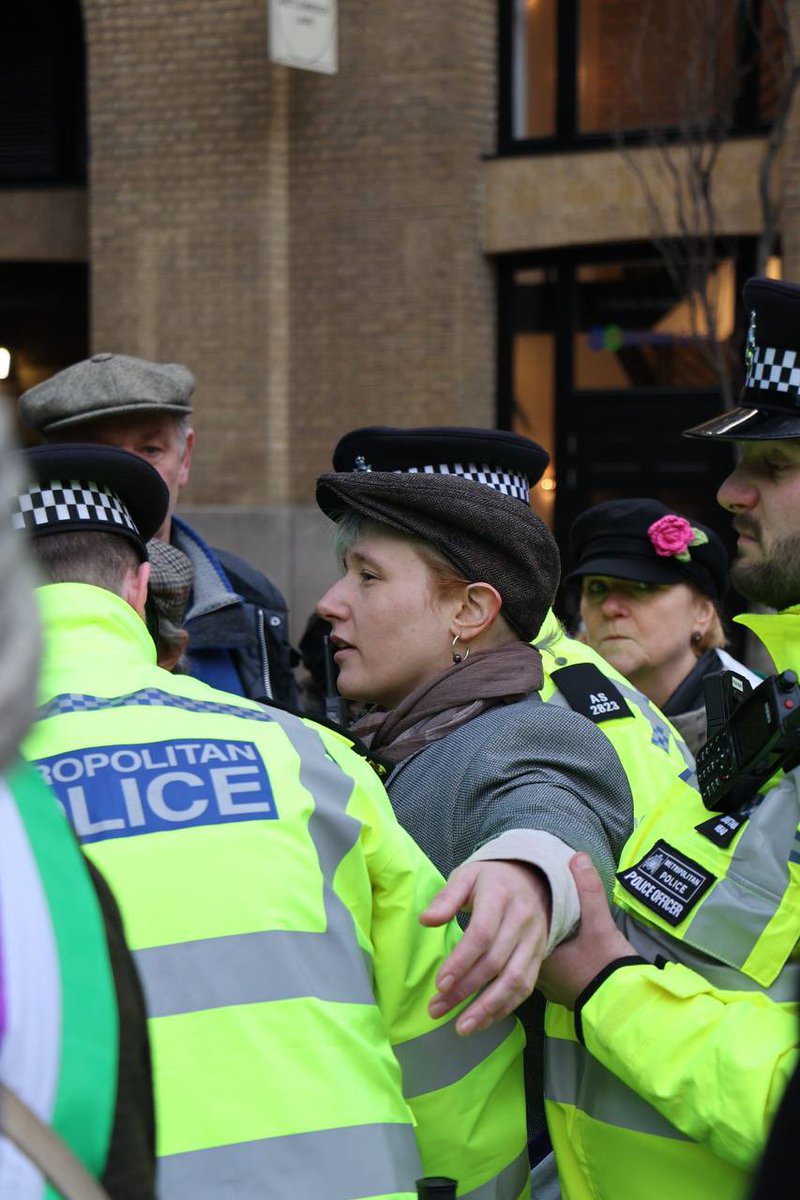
x=753, y=732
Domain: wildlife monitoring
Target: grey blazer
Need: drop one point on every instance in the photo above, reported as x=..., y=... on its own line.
x=527, y=765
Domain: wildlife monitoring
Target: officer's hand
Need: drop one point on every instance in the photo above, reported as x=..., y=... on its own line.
x=504, y=943
x=574, y=964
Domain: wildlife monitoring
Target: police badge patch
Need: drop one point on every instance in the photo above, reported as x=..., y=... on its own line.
x=667, y=882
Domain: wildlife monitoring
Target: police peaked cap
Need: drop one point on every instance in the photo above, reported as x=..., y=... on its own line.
x=612, y=539
x=769, y=404
x=75, y=488
x=484, y=455
x=460, y=490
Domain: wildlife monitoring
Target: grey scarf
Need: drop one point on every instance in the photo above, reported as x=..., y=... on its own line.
x=450, y=698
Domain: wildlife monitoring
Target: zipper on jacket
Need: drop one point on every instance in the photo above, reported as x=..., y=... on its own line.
x=262, y=639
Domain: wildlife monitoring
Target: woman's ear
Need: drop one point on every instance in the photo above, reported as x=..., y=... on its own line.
x=480, y=605
x=704, y=614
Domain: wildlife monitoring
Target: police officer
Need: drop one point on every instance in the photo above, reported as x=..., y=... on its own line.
x=666, y=1079
x=268, y=893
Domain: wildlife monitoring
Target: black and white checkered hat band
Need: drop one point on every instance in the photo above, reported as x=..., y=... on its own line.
x=774, y=370
x=501, y=481
x=68, y=503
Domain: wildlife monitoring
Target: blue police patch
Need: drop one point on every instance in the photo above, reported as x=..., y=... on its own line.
x=121, y=791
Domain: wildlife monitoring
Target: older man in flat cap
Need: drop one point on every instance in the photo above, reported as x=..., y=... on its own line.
x=237, y=619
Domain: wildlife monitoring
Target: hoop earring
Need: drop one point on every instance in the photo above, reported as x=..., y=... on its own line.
x=457, y=658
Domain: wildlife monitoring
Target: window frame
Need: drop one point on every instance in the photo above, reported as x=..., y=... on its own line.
x=567, y=135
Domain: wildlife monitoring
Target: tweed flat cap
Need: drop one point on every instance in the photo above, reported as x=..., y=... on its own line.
x=75, y=488
x=106, y=385
x=488, y=536
x=171, y=580
x=644, y=540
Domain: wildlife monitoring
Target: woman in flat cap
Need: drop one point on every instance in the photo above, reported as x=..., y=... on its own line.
x=652, y=583
x=448, y=574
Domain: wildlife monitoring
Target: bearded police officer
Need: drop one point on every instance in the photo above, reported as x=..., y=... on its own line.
x=685, y=1028
x=268, y=893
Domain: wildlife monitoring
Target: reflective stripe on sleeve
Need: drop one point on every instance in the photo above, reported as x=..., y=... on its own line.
x=440, y=1058
x=573, y=1077
x=508, y=1185
x=250, y=968
x=339, y=1164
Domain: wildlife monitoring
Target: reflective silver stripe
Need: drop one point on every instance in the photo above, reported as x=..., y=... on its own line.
x=508, y=1185
x=437, y=1059
x=334, y=1164
x=658, y=724
x=249, y=968
x=650, y=941
x=733, y=916
x=573, y=1077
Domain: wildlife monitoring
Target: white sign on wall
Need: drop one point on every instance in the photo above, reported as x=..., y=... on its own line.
x=302, y=33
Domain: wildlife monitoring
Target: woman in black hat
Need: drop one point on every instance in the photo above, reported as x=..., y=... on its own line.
x=651, y=586
x=448, y=574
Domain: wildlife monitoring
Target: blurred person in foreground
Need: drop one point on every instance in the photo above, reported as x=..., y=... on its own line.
x=270, y=896
x=73, y=1043
x=448, y=575
x=665, y=1078
x=652, y=584
x=237, y=620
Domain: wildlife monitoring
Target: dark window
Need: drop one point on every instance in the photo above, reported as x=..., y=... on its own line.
x=605, y=365
x=42, y=94
x=588, y=71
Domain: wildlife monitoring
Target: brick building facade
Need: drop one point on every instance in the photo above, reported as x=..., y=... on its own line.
x=321, y=250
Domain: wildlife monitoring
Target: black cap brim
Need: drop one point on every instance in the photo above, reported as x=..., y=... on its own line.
x=138, y=485
x=636, y=569
x=748, y=424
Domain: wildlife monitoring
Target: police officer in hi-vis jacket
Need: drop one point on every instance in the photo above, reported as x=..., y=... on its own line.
x=664, y=1078
x=269, y=896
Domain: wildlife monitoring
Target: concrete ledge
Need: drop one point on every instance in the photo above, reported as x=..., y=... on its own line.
x=545, y=201
x=44, y=225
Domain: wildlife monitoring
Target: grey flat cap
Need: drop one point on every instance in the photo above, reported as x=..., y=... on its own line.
x=106, y=385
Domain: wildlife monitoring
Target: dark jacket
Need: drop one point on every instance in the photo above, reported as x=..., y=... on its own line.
x=236, y=609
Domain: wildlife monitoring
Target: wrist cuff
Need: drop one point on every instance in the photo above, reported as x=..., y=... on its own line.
x=631, y=960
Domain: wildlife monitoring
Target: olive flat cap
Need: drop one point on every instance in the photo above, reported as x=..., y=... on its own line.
x=106, y=385
x=489, y=536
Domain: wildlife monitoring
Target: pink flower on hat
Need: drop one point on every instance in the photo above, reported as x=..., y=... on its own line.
x=672, y=536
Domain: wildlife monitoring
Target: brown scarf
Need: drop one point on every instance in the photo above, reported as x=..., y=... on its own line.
x=450, y=698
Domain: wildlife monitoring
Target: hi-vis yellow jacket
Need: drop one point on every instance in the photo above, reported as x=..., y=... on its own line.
x=654, y=756
x=683, y=1058
x=271, y=900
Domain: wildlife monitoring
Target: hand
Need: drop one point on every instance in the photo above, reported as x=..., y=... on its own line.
x=574, y=964
x=503, y=945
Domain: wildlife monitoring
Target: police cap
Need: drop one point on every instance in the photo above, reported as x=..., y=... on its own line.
x=770, y=399
x=75, y=488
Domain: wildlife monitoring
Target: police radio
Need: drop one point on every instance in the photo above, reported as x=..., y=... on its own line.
x=753, y=732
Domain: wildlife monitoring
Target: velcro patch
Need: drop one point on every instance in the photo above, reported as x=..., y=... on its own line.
x=722, y=828
x=666, y=882
x=121, y=791
x=589, y=692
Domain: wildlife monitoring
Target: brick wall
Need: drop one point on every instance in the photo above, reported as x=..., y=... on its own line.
x=307, y=244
